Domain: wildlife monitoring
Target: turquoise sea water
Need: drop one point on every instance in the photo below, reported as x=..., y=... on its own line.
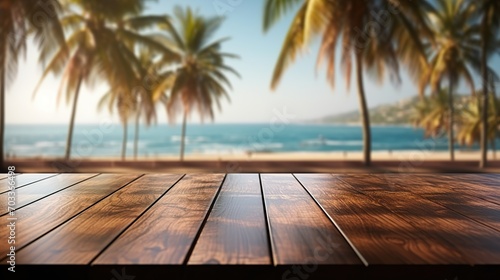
x=213, y=139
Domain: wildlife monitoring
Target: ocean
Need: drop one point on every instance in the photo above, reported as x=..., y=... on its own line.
x=213, y=139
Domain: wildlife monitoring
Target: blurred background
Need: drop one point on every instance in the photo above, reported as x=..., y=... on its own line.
x=239, y=80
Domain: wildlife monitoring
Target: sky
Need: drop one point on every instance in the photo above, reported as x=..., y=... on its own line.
x=303, y=92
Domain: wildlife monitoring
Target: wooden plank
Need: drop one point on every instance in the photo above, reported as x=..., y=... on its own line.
x=25, y=179
x=81, y=239
x=166, y=232
x=381, y=236
x=473, y=241
x=367, y=182
x=488, y=179
x=475, y=198
x=479, y=186
x=417, y=183
x=41, y=189
x=301, y=233
x=236, y=230
x=476, y=186
x=478, y=210
x=44, y=215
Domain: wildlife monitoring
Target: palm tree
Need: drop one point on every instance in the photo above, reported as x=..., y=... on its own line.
x=145, y=108
x=368, y=30
x=101, y=41
x=453, y=55
x=471, y=121
x=197, y=81
x=126, y=107
x=490, y=25
x=433, y=114
x=16, y=20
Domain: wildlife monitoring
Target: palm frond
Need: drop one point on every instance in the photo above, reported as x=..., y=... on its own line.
x=275, y=9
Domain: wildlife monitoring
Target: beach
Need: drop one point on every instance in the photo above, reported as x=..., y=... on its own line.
x=417, y=161
x=230, y=148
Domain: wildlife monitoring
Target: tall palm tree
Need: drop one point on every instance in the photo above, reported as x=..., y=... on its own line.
x=367, y=29
x=17, y=18
x=454, y=55
x=471, y=121
x=102, y=37
x=490, y=26
x=197, y=81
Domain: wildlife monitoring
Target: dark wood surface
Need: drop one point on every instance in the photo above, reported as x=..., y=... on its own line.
x=380, y=235
x=235, y=232
x=166, y=233
x=79, y=240
x=42, y=216
x=482, y=189
x=23, y=180
x=476, y=209
x=264, y=219
x=41, y=189
x=463, y=218
x=301, y=232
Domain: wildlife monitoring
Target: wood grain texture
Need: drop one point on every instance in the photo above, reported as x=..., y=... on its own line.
x=23, y=180
x=489, y=179
x=166, y=232
x=380, y=218
x=366, y=182
x=381, y=236
x=36, y=191
x=480, y=186
x=467, y=194
x=81, y=239
x=301, y=232
x=235, y=232
x=474, y=242
x=418, y=183
x=482, y=211
x=44, y=215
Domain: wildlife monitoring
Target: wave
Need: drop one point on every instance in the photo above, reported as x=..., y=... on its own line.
x=18, y=147
x=49, y=144
x=188, y=139
x=176, y=138
x=335, y=143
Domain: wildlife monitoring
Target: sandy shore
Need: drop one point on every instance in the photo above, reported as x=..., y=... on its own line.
x=417, y=155
x=341, y=156
x=407, y=161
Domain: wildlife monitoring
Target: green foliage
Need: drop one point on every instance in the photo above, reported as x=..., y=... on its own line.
x=470, y=120
x=195, y=80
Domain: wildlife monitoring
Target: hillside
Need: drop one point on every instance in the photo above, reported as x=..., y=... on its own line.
x=387, y=114
x=398, y=113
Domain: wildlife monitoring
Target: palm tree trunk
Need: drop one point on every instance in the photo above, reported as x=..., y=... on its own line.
x=484, y=115
x=124, y=140
x=497, y=136
x=136, y=135
x=496, y=132
x=365, y=118
x=69, y=138
x=451, y=136
x=494, y=147
x=2, y=116
x=183, y=135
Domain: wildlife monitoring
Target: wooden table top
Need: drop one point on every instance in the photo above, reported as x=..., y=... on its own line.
x=254, y=219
